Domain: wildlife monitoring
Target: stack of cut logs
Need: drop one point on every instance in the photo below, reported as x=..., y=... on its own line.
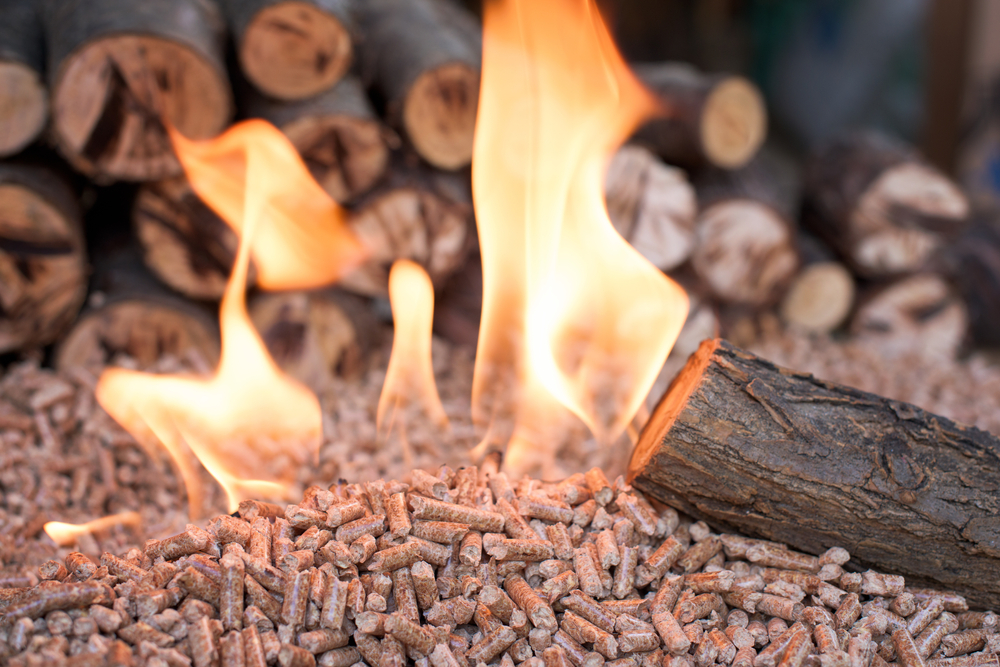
x=379, y=97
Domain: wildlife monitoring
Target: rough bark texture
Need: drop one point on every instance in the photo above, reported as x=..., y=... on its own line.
x=973, y=264
x=883, y=209
x=717, y=120
x=119, y=70
x=43, y=262
x=422, y=58
x=24, y=103
x=752, y=447
x=131, y=313
x=339, y=136
x=291, y=49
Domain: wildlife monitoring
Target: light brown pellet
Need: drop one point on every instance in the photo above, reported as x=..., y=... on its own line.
x=599, y=487
x=231, y=651
x=826, y=639
x=395, y=558
x=424, y=584
x=670, y=631
x=584, y=513
x=906, y=650
x=903, y=604
x=470, y=550
x=559, y=585
x=228, y=529
x=928, y=641
x=546, y=509
x=396, y=514
x=849, y=611
x=769, y=655
x=953, y=602
x=586, y=632
x=334, y=603
x=538, y=610
x=710, y=582
x=436, y=510
x=525, y=550
x=697, y=555
x=745, y=657
x=926, y=612
x=587, y=573
x=590, y=609
x=964, y=642
x=561, y=543
x=153, y=602
x=625, y=573
x=261, y=599
x=191, y=541
x=631, y=642
x=290, y=655
x=639, y=513
x=797, y=650
x=772, y=605
x=742, y=598
x=231, y=592
x=322, y=640
x=79, y=566
x=739, y=636
x=373, y=525
x=769, y=556
x=121, y=568
x=405, y=595
x=340, y=657
x=252, y=509
x=442, y=532
x=697, y=607
x=197, y=585
x=725, y=649
x=491, y=645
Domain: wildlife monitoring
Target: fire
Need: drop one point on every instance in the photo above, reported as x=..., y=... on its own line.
x=66, y=534
x=409, y=380
x=251, y=426
x=569, y=309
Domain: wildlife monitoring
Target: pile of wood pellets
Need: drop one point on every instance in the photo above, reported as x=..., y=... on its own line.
x=464, y=568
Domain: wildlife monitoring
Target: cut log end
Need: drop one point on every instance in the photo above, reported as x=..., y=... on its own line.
x=25, y=107
x=819, y=298
x=439, y=114
x=294, y=50
x=112, y=97
x=733, y=123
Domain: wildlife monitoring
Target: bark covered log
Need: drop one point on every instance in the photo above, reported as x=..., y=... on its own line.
x=972, y=263
x=422, y=58
x=883, y=209
x=337, y=133
x=24, y=101
x=717, y=120
x=291, y=49
x=752, y=447
x=43, y=262
x=119, y=70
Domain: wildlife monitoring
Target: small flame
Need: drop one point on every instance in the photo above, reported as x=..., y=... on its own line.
x=66, y=534
x=251, y=426
x=569, y=308
x=409, y=380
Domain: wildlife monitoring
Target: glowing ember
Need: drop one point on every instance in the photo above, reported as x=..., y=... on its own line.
x=66, y=534
x=569, y=308
x=251, y=426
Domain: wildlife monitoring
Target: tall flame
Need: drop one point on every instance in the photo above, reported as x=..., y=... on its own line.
x=569, y=308
x=251, y=426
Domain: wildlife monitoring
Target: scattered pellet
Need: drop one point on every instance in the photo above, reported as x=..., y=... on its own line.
x=436, y=510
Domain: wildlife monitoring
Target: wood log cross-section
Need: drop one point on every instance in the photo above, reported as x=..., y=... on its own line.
x=119, y=70
x=752, y=447
x=24, y=107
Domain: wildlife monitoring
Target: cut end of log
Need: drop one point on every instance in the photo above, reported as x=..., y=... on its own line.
x=294, y=50
x=25, y=107
x=820, y=298
x=733, y=123
x=439, y=114
x=112, y=97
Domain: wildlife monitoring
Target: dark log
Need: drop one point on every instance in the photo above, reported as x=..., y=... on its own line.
x=337, y=133
x=119, y=70
x=458, y=307
x=422, y=57
x=745, y=251
x=43, y=259
x=718, y=120
x=291, y=49
x=419, y=214
x=131, y=314
x=752, y=447
x=973, y=264
x=24, y=101
x=883, y=209
x=652, y=205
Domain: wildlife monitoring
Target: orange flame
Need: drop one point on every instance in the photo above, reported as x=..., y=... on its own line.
x=410, y=376
x=569, y=307
x=66, y=534
x=251, y=426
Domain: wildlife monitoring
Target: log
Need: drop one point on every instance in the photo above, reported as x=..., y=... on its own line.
x=43, y=259
x=119, y=70
x=340, y=138
x=419, y=214
x=24, y=108
x=291, y=49
x=921, y=315
x=458, y=307
x=316, y=336
x=717, y=120
x=652, y=205
x=751, y=447
x=819, y=298
x=745, y=252
x=972, y=264
x=422, y=59
x=183, y=242
x=131, y=314
x=882, y=208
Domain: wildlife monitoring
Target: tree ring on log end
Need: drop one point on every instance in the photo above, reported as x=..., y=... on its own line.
x=439, y=114
x=112, y=96
x=293, y=50
x=25, y=106
x=820, y=298
x=733, y=123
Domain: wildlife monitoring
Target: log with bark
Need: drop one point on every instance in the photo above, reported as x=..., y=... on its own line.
x=752, y=447
x=652, y=205
x=24, y=101
x=821, y=295
x=883, y=209
x=972, y=264
x=717, y=120
x=183, y=242
x=340, y=138
x=132, y=314
x=318, y=335
x=43, y=262
x=291, y=49
x=458, y=307
x=745, y=252
x=419, y=214
x=422, y=60
x=119, y=70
